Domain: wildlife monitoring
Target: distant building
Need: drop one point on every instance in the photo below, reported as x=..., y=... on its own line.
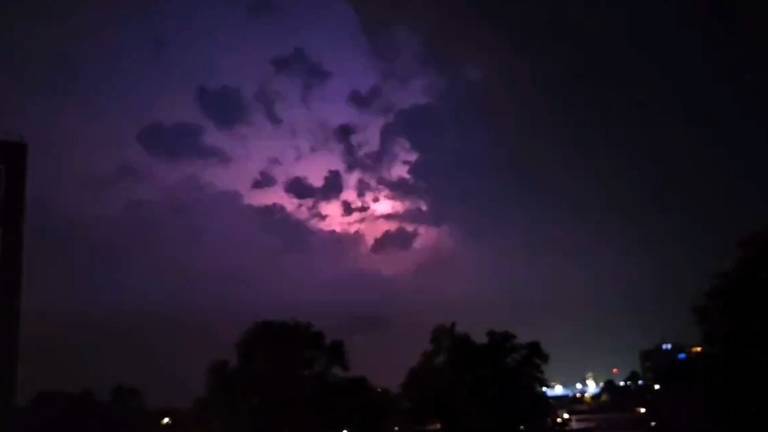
x=13, y=160
x=669, y=362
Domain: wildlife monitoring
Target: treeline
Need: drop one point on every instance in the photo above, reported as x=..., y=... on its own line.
x=288, y=376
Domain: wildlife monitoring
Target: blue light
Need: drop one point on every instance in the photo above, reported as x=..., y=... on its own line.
x=682, y=356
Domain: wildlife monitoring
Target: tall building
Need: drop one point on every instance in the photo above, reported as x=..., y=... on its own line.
x=13, y=170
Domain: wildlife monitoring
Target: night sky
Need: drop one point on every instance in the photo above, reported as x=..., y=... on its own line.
x=571, y=171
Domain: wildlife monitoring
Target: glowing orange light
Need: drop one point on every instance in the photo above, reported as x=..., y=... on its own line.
x=697, y=349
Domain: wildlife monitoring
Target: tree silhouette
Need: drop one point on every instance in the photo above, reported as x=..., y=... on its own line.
x=287, y=377
x=733, y=330
x=50, y=411
x=464, y=385
x=633, y=377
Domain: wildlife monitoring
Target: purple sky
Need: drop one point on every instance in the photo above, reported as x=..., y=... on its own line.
x=565, y=173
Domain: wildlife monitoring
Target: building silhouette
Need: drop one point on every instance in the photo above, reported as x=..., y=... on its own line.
x=13, y=165
x=672, y=363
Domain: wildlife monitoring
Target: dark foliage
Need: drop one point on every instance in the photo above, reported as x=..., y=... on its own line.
x=287, y=377
x=730, y=320
x=464, y=385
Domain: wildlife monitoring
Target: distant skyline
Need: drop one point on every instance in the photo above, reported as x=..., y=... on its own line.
x=574, y=173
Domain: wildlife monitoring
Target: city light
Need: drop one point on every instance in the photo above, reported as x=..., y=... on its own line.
x=640, y=382
x=657, y=386
x=544, y=389
x=559, y=388
x=622, y=383
x=666, y=346
x=591, y=384
x=641, y=410
x=559, y=420
x=566, y=416
x=615, y=371
x=653, y=424
x=165, y=421
x=682, y=356
x=579, y=386
x=697, y=349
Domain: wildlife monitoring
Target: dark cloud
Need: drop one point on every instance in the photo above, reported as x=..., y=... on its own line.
x=402, y=187
x=178, y=142
x=374, y=161
x=333, y=186
x=298, y=65
x=348, y=209
x=225, y=106
x=380, y=159
x=372, y=100
x=397, y=240
x=264, y=180
x=352, y=160
x=300, y=188
x=266, y=99
x=466, y=169
x=362, y=187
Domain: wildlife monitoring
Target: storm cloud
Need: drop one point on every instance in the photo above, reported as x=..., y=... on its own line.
x=298, y=65
x=348, y=209
x=178, y=142
x=566, y=157
x=300, y=188
x=264, y=180
x=397, y=240
x=267, y=100
x=372, y=100
x=225, y=106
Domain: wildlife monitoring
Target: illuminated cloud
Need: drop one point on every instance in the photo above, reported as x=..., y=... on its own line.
x=348, y=209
